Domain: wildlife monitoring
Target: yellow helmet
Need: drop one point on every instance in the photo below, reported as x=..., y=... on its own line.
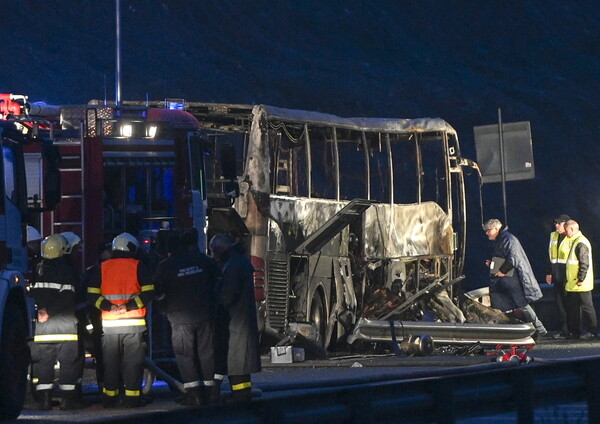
x=53, y=246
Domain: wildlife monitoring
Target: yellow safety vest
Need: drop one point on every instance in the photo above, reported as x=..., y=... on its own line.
x=573, y=267
x=558, y=253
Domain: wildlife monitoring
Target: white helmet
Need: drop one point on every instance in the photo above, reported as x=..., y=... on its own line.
x=33, y=234
x=72, y=241
x=53, y=246
x=125, y=242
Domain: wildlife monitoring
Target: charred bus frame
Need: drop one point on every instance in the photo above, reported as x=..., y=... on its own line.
x=336, y=211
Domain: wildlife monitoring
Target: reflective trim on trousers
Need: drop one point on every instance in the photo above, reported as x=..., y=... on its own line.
x=132, y=392
x=111, y=393
x=66, y=387
x=49, y=386
x=241, y=386
x=191, y=384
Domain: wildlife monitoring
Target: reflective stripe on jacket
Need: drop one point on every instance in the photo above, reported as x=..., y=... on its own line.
x=573, y=267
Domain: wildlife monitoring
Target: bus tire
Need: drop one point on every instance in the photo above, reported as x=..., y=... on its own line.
x=318, y=317
x=14, y=359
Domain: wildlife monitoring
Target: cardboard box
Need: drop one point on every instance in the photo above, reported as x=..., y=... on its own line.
x=286, y=354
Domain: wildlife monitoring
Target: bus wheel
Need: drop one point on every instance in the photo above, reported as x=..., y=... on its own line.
x=14, y=358
x=318, y=318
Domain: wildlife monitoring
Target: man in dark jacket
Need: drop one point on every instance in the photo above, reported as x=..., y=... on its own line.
x=558, y=250
x=186, y=283
x=236, y=300
x=513, y=285
x=56, y=329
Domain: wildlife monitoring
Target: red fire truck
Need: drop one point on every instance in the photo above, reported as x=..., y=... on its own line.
x=21, y=125
x=132, y=169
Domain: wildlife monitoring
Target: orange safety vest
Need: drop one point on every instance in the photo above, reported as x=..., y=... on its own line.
x=119, y=285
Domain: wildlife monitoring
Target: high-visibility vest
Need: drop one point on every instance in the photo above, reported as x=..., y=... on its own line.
x=558, y=253
x=119, y=285
x=573, y=267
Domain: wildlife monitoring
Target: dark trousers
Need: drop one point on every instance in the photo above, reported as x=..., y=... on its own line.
x=580, y=310
x=123, y=355
x=560, y=296
x=45, y=356
x=194, y=352
x=221, y=340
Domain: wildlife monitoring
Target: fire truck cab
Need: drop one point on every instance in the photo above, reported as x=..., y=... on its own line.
x=20, y=125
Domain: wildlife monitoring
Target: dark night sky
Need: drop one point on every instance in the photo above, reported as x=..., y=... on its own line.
x=459, y=60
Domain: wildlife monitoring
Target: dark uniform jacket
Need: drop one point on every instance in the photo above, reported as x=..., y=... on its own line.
x=236, y=298
x=54, y=290
x=188, y=280
x=509, y=293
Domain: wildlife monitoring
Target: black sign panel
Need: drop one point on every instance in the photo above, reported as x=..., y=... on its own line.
x=518, y=152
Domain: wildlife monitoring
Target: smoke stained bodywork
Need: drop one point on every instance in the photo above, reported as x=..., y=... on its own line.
x=319, y=197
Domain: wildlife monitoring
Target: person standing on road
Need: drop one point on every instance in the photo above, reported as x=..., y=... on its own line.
x=236, y=301
x=580, y=283
x=558, y=250
x=56, y=329
x=122, y=288
x=513, y=286
x=186, y=283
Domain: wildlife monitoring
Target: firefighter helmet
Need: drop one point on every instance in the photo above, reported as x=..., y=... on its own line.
x=72, y=241
x=33, y=234
x=125, y=242
x=53, y=246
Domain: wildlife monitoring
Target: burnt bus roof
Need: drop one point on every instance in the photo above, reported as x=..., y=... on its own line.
x=238, y=117
x=361, y=124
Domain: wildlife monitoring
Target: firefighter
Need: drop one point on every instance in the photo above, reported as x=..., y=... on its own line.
x=240, y=343
x=122, y=289
x=56, y=329
x=187, y=280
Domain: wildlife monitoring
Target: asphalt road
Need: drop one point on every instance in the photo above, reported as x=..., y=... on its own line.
x=340, y=370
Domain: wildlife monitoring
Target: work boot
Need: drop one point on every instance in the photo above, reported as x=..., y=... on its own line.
x=134, y=402
x=70, y=400
x=214, y=393
x=241, y=396
x=193, y=397
x=44, y=401
x=110, y=402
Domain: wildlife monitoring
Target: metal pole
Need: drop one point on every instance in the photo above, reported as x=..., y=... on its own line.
x=118, y=54
x=502, y=168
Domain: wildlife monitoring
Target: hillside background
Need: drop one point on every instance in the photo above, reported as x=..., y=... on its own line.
x=538, y=61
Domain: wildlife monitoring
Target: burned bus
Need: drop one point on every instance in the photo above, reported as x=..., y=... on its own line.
x=356, y=227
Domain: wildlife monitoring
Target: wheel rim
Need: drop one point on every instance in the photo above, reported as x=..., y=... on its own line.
x=317, y=317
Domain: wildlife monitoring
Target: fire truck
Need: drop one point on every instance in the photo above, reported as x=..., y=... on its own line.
x=21, y=125
x=127, y=168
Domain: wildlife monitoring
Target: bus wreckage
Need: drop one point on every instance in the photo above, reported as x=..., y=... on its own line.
x=356, y=226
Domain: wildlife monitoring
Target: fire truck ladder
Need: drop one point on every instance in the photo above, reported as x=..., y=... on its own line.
x=69, y=215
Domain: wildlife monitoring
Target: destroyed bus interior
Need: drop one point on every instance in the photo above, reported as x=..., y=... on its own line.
x=350, y=223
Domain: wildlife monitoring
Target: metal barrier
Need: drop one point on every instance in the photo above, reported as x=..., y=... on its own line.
x=444, y=399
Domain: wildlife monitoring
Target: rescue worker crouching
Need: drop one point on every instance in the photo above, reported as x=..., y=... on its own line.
x=56, y=329
x=122, y=289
